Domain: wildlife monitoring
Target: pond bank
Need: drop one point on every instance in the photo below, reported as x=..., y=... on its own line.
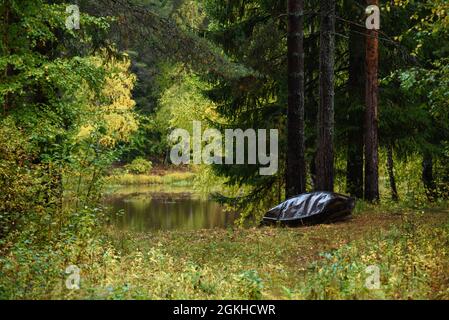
x=170, y=178
x=319, y=262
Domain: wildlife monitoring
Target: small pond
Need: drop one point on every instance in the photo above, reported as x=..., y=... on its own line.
x=149, y=208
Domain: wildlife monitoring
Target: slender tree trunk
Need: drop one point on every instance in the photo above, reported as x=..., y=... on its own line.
x=427, y=177
x=371, y=114
x=356, y=95
x=325, y=152
x=296, y=166
x=390, y=168
x=6, y=52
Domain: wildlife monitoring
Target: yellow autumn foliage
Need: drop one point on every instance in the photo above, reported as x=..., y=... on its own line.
x=113, y=111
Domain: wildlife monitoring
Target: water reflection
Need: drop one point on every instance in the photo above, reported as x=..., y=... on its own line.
x=152, y=208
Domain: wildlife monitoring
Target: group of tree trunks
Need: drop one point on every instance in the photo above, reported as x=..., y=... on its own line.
x=363, y=95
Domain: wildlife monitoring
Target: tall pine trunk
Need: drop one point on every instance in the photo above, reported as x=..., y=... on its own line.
x=296, y=166
x=325, y=148
x=371, y=114
x=356, y=98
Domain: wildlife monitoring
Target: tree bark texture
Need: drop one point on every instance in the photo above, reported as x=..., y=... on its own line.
x=296, y=166
x=371, y=114
x=325, y=145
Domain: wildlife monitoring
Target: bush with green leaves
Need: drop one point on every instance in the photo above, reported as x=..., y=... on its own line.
x=139, y=166
x=59, y=95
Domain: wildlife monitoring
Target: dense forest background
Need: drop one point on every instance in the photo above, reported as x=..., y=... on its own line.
x=84, y=107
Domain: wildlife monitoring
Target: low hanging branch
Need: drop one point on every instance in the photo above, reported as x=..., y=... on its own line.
x=169, y=40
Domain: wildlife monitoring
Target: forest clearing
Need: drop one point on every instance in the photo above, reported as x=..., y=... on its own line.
x=144, y=143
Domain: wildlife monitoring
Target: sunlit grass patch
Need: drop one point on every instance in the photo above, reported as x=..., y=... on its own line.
x=173, y=178
x=317, y=262
x=320, y=262
x=412, y=259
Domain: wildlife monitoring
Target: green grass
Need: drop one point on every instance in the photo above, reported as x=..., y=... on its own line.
x=174, y=178
x=412, y=259
x=319, y=262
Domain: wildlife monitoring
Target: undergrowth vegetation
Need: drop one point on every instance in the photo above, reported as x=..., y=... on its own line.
x=412, y=261
x=322, y=262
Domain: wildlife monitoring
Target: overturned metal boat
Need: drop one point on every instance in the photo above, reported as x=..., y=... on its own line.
x=311, y=208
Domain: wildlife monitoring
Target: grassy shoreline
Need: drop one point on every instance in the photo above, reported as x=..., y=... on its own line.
x=170, y=178
x=293, y=266
x=318, y=262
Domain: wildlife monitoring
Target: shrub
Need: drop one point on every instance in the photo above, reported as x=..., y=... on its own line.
x=139, y=166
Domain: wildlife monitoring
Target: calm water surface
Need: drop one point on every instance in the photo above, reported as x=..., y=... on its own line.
x=147, y=208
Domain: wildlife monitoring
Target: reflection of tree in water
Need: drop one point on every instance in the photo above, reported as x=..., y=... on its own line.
x=166, y=211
